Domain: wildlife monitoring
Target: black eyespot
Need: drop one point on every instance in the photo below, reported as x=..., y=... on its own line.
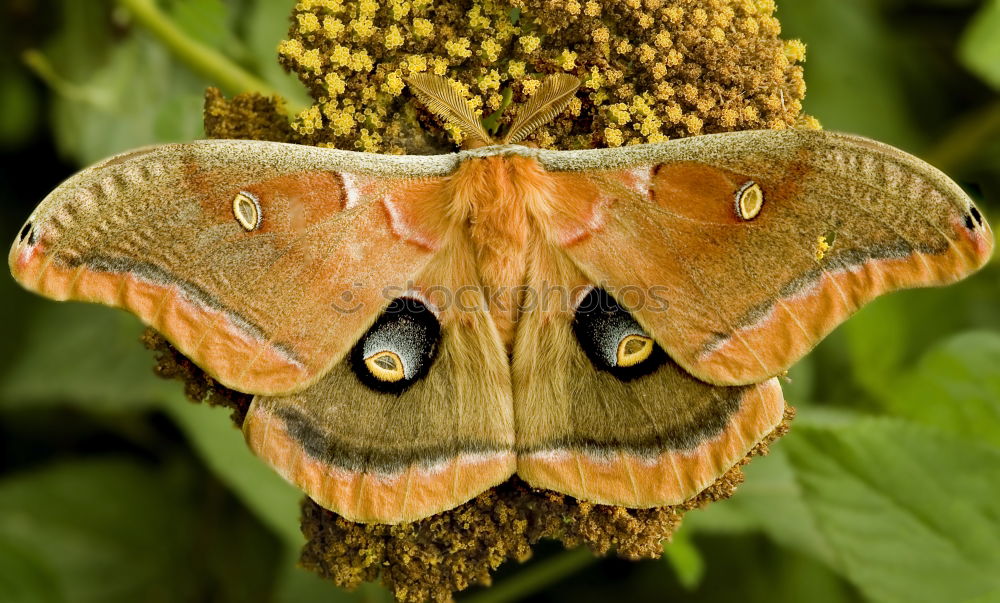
x=398, y=350
x=25, y=232
x=613, y=340
x=969, y=222
x=978, y=216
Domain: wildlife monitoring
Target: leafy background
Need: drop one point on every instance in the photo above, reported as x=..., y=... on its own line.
x=114, y=488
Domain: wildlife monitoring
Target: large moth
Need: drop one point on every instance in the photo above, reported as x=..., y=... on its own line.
x=605, y=323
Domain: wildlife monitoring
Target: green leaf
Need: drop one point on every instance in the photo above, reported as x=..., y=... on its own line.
x=979, y=49
x=114, y=530
x=846, y=81
x=90, y=357
x=769, y=501
x=878, y=339
x=174, y=118
x=748, y=569
x=910, y=513
x=685, y=558
x=23, y=578
x=105, y=531
x=111, y=93
x=138, y=80
x=799, y=386
x=83, y=355
x=956, y=387
x=887, y=336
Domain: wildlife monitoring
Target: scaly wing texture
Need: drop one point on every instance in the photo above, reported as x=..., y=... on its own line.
x=266, y=310
x=388, y=457
x=844, y=219
x=656, y=439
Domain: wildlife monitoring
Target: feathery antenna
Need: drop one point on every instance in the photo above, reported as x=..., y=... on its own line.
x=546, y=103
x=442, y=100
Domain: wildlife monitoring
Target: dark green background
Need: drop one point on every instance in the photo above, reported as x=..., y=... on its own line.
x=114, y=488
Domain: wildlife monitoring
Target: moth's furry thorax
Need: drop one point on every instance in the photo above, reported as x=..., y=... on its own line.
x=495, y=199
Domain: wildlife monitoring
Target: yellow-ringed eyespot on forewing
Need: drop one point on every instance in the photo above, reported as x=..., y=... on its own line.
x=749, y=200
x=246, y=209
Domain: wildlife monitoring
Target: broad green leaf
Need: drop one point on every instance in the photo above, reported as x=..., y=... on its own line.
x=956, y=387
x=769, y=501
x=991, y=597
x=856, y=86
x=110, y=91
x=909, y=512
x=891, y=333
x=834, y=381
x=24, y=578
x=83, y=355
x=800, y=382
x=745, y=568
x=979, y=49
x=878, y=339
x=128, y=92
x=114, y=530
x=134, y=92
x=90, y=357
x=175, y=119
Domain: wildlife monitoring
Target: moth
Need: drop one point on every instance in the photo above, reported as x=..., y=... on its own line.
x=605, y=323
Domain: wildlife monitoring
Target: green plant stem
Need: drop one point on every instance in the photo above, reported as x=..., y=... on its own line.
x=966, y=138
x=492, y=123
x=40, y=65
x=201, y=58
x=535, y=577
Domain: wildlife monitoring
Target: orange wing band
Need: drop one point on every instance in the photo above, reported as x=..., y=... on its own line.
x=409, y=495
x=199, y=331
x=818, y=309
x=670, y=478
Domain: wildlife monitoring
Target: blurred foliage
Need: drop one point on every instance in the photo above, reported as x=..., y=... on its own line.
x=114, y=488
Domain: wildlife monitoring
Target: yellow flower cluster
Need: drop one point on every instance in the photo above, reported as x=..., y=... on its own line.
x=651, y=69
